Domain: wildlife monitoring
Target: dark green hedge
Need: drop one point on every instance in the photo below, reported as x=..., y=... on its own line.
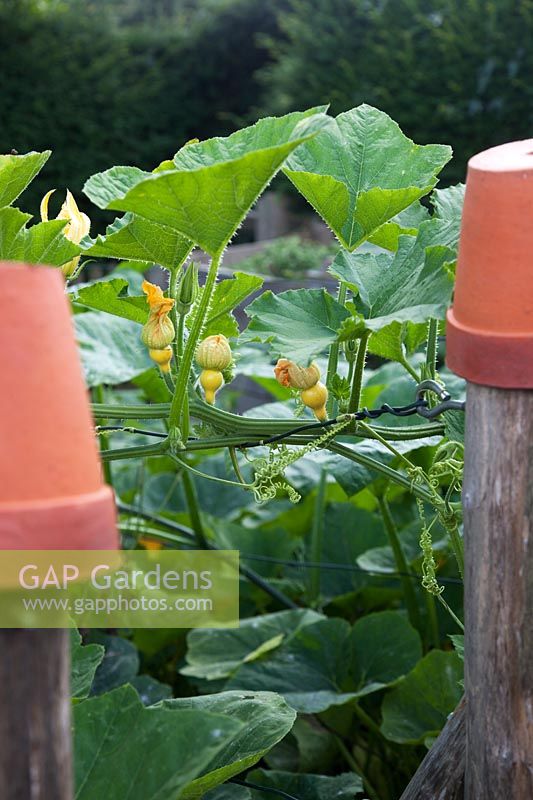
x=453, y=71
x=99, y=95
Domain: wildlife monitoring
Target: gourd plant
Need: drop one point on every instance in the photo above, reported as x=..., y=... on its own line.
x=397, y=239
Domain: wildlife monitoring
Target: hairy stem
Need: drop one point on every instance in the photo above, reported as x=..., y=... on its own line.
x=357, y=381
x=177, y=406
x=333, y=360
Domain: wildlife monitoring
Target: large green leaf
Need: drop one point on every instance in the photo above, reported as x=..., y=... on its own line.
x=307, y=787
x=412, y=285
x=231, y=293
x=299, y=323
x=362, y=171
x=110, y=348
x=406, y=223
x=213, y=184
x=215, y=654
x=111, y=296
x=265, y=719
x=44, y=243
x=327, y=663
x=418, y=707
x=84, y=662
x=123, y=749
x=138, y=239
x=16, y=172
x=120, y=663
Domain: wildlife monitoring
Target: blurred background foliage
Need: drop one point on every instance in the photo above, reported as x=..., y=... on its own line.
x=103, y=82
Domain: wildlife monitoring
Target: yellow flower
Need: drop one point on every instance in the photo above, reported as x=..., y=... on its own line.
x=292, y=375
x=313, y=394
x=214, y=353
x=159, y=331
x=77, y=227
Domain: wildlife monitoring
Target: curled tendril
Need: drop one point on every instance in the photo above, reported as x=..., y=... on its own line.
x=270, y=471
x=429, y=577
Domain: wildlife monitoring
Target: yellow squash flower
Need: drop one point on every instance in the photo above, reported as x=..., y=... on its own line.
x=158, y=333
x=77, y=227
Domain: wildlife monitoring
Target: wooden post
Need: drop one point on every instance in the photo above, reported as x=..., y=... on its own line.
x=498, y=504
x=441, y=774
x=35, y=735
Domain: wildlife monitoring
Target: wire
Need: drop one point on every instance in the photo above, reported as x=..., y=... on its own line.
x=339, y=567
x=189, y=534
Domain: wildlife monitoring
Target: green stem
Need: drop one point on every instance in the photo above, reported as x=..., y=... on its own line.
x=355, y=767
x=175, y=277
x=412, y=372
x=401, y=563
x=382, y=469
x=333, y=360
x=181, y=335
x=255, y=426
x=433, y=634
x=191, y=497
x=451, y=613
x=99, y=396
x=457, y=544
x=431, y=349
x=317, y=536
x=357, y=382
x=182, y=382
x=367, y=721
x=143, y=451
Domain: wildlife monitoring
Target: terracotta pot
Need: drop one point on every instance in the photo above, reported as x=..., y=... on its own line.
x=490, y=327
x=52, y=495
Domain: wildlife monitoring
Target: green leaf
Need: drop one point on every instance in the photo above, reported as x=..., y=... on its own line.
x=385, y=646
x=328, y=663
x=17, y=172
x=44, y=243
x=123, y=749
x=150, y=690
x=84, y=661
x=120, y=663
x=448, y=204
x=419, y=706
x=406, y=223
x=215, y=654
x=231, y=293
x=307, y=787
x=458, y=641
x=360, y=172
x=110, y=348
x=412, y=285
x=111, y=296
x=214, y=183
x=134, y=238
x=265, y=719
x=299, y=323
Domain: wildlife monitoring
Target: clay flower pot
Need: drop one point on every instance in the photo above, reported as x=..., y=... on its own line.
x=490, y=327
x=52, y=496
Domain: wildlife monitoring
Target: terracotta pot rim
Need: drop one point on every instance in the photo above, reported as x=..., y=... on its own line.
x=504, y=159
x=495, y=359
x=80, y=522
x=471, y=330
x=58, y=503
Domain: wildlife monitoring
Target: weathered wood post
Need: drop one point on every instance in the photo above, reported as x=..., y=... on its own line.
x=51, y=498
x=490, y=343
